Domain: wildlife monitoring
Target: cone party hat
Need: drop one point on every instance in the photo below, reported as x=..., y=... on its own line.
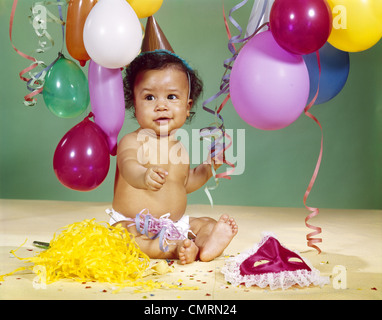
x=154, y=38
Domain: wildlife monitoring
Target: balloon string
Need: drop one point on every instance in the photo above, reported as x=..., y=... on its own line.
x=311, y=241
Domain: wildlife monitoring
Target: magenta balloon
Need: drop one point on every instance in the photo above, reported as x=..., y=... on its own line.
x=301, y=26
x=107, y=101
x=81, y=160
x=269, y=86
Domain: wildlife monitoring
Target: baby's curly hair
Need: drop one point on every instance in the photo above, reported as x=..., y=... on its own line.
x=158, y=60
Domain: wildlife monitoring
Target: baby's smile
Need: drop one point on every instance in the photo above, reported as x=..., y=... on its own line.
x=162, y=120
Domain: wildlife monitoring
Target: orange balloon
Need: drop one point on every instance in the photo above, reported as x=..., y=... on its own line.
x=78, y=11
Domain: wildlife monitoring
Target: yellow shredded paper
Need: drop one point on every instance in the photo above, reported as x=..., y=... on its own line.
x=90, y=251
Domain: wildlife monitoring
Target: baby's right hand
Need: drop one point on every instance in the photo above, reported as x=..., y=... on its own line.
x=155, y=178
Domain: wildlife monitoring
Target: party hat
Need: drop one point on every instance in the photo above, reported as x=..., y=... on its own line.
x=154, y=38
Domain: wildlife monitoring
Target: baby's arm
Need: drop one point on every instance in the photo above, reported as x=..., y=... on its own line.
x=199, y=175
x=134, y=172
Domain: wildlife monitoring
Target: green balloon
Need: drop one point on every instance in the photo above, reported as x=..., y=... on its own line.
x=66, y=91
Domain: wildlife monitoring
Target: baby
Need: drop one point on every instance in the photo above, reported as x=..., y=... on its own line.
x=152, y=182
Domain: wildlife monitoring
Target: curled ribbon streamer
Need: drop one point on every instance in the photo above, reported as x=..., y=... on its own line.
x=36, y=81
x=216, y=127
x=39, y=18
x=314, y=211
x=224, y=89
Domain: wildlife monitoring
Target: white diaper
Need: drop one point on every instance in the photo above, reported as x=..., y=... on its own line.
x=116, y=216
x=163, y=227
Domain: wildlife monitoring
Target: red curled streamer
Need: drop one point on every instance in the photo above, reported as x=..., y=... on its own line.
x=28, y=97
x=314, y=211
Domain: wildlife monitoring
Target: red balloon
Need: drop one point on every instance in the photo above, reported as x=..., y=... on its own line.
x=301, y=26
x=81, y=160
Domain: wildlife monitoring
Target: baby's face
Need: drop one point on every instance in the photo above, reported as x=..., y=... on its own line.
x=161, y=100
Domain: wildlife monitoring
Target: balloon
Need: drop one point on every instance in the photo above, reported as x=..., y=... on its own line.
x=81, y=160
x=269, y=86
x=301, y=26
x=107, y=101
x=356, y=26
x=154, y=38
x=335, y=66
x=65, y=89
x=376, y=7
x=145, y=8
x=78, y=11
x=112, y=33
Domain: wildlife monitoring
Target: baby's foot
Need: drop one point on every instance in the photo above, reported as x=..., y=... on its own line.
x=187, y=251
x=221, y=235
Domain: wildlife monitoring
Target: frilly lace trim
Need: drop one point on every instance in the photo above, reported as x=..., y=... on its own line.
x=280, y=280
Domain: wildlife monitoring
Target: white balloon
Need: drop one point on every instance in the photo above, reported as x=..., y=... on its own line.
x=112, y=33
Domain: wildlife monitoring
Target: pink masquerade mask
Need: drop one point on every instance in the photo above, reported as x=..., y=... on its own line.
x=275, y=258
x=271, y=264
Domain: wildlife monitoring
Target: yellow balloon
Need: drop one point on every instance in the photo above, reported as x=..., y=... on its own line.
x=377, y=9
x=356, y=25
x=145, y=8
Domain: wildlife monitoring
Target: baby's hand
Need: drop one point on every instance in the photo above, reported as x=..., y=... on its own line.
x=155, y=178
x=217, y=160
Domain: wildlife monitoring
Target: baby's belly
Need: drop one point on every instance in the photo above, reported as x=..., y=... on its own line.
x=172, y=198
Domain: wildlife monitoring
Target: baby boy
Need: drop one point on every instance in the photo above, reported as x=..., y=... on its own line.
x=152, y=183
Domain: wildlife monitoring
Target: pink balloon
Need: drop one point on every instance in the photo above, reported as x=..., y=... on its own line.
x=301, y=26
x=269, y=86
x=107, y=101
x=81, y=160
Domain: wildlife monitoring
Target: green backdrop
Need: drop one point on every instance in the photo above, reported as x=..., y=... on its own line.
x=279, y=164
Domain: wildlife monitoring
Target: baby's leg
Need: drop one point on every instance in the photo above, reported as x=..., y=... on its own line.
x=184, y=250
x=212, y=236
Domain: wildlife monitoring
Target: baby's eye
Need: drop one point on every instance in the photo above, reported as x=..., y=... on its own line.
x=149, y=97
x=172, y=97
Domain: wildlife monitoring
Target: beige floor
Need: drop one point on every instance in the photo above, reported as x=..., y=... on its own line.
x=351, y=238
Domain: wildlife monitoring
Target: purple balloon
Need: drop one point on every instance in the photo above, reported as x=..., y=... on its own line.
x=269, y=86
x=107, y=101
x=81, y=160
